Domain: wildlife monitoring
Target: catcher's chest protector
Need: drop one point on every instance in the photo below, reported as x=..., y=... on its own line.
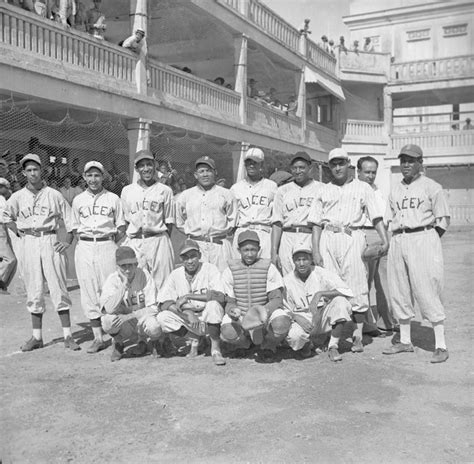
x=250, y=283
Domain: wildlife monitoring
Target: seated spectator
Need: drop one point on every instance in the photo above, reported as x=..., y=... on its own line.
x=468, y=125
x=355, y=46
x=219, y=81
x=272, y=98
x=68, y=191
x=368, y=45
x=95, y=21
x=135, y=41
x=292, y=105
x=252, y=90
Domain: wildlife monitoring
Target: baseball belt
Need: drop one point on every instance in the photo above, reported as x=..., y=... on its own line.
x=254, y=226
x=340, y=229
x=411, y=231
x=298, y=229
x=95, y=239
x=367, y=228
x=219, y=239
x=147, y=234
x=37, y=233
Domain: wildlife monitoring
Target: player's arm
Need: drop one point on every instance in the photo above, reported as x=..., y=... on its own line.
x=231, y=308
x=67, y=216
x=382, y=231
x=275, y=240
x=316, y=239
x=441, y=211
x=210, y=295
x=315, y=220
x=275, y=301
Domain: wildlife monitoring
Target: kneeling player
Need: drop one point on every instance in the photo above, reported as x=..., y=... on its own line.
x=254, y=309
x=192, y=299
x=128, y=296
x=318, y=301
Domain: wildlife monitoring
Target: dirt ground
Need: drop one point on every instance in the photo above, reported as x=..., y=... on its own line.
x=62, y=407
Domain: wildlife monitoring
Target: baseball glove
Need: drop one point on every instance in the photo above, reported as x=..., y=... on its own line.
x=372, y=252
x=199, y=328
x=255, y=318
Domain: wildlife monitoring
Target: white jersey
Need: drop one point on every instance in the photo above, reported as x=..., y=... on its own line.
x=292, y=203
x=3, y=207
x=254, y=201
x=97, y=215
x=148, y=209
x=381, y=204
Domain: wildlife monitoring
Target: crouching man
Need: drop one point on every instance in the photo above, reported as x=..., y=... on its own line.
x=129, y=295
x=254, y=303
x=318, y=301
x=192, y=300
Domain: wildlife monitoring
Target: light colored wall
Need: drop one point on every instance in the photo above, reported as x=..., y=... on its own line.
x=361, y=102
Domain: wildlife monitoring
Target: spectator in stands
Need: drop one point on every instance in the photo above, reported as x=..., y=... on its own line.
x=68, y=191
x=135, y=41
x=324, y=43
x=252, y=90
x=40, y=7
x=468, y=125
x=292, y=105
x=355, y=46
x=95, y=21
x=368, y=45
x=331, y=48
x=65, y=12
x=272, y=99
x=342, y=44
x=229, y=86
x=219, y=81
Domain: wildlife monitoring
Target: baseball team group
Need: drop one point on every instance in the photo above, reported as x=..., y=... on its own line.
x=262, y=265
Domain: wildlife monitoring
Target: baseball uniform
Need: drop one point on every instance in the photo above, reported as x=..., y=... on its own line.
x=7, y=257
x=298, y=294
x=208, y=216
x=149, y=210
x=96, y=219
x=255, y=206
x=291, y=209
x=415, y=258
x=37, y=216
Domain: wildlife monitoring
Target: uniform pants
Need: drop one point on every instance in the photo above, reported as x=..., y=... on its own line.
x=287, y=243
x=265, y=237
x=155, y=254
x=215, y=253
x=7, y=257
x=337, y=310
x=39, y=262
x=342, y=254
x=415, y=274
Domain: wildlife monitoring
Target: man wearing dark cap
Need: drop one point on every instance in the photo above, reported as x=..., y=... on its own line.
x=254, y=309
x=290, y=212
x=192, y=300
x=149, y=210
x=419, y=215
x=207, y=213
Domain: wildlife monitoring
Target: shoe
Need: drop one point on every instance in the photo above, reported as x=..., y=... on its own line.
x=32, y=344
x=439, y=356
x=193, y=352
x=97, y=345
x=399, y=348
x=70, y=343
x=357, y=346
x=218, y=359
x=334, y=354
x=164, y=349
x=265, y=356
x=139, y=350
x=117, y=352
x=306, y=351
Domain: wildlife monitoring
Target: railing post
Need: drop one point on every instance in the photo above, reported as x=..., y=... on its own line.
x=301, y=109
x=138, y=134
x=240, y=65
x=139, y=20
x=244, y=7
x=387, y=111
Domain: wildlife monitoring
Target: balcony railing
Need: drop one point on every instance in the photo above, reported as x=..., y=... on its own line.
x=436, y=140
x=365, y=62
x=21, y=29
x=432, y=70
x=363, y=129
x=320, y=57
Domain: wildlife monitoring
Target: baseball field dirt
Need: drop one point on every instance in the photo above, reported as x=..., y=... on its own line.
x=61, y=406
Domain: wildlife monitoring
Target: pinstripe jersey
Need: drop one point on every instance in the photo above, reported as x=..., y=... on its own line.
x=346, y=205
x=255, y=201
x=293, y=203
x=381, y=204
x=148, y=209
x=418, y=204
x=98, y=214
x=38, y=210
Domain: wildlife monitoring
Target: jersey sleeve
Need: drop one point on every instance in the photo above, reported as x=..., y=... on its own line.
x=118, y=213
x=75, y=218
x=439, y=203
x=112, y=293
x=168, y=291
x=288, y=300
x=66, y=213
x=274, y=279
x=277, y=213
x=228, y=283
x=150, y=291
x=315, y=215
x=231, y=209
x=371, y=204
x=11, y=209
x=169, y=208
x=124, y=201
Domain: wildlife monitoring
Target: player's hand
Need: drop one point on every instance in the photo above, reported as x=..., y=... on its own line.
x=276, y=261
x=193, y=320
x=384, y=249
x=182, y=300
x=234, y=313
x=61, y=247
x=303, y=322
x=318, y=259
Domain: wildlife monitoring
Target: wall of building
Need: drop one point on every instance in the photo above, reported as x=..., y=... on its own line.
x=363, y=102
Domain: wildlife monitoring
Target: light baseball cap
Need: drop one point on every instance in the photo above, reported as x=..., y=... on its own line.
x=414, y=151
x=254, y=154
x=30, y=157
x=302, y=248
x=338, y=153
x=4, y=182
x=94, y=164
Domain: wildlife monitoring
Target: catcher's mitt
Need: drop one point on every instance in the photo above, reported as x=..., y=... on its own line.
x=255, y=318
x=199, y=329
x=372, y=252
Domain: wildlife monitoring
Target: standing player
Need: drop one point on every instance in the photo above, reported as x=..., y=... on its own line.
x=318, y=303
x=419, y=216
x=99, y=223
x=207, y=213
x=7, y=257
x=255, y=197
x=290, y=212
x=150, y=211
x=338, y=214
x=35, y=212
x=377, y=268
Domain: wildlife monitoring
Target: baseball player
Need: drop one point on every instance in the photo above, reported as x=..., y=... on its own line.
x=318, y=303
x=419, y=215
x=376, y=268
x=339, y=211
x=34, y=213
x=253, y=288
x=129, y=295
x=290, y=212
x=98, y=223
x=7, y=257
x=150, y=211
x=207, y=213
x=193, y=294
x=255, y=197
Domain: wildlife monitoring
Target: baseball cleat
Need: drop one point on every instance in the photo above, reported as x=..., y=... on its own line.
x=97, y=345
x=399, y=348
x=140, y=349
x=117, y=352
x=334, y=354
x=70, y=343
x=218, y=359
x=357, y=346
x=440, y=355
x=306, y=352
x=32, y=344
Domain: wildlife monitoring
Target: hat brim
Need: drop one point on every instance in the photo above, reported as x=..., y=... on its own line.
x=144, y=157
x=207, y=163
x=253, y=158
x=127, y=261
x=303, y=250
x=187, y=250
x=410, y=155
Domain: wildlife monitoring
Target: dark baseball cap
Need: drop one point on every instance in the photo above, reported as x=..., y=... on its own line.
x=125, y=255
x=143, y=154
x=301, y=155
x=188, y=245
x=205, y=160
x=248, y=236
x=414, y=151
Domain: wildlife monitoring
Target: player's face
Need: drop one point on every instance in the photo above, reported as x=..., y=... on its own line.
x=300, y=170
x=339, y=169
x=129, y=270
x=303, y=262
x=94, y=179
x=410, y=167
x=205, y=175
x=146, y=169
x=32, y=172
x=368, y=172
x=249, y=252
x=191, y=261
x=253, y=168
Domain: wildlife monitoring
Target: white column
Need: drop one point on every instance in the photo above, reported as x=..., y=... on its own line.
x=244, y=7
x=240, y=70
x=139, y=20
x=138, y=133
x=301, y=110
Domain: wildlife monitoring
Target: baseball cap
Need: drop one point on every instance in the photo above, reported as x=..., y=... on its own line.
x=248, y=236
x=140, y=30
x=4, y=182
x=254, y=154
x=338, y=153
x=302, y=248
x=188, y=245
x=94, y=164
x=206, y=160
x=125, y=255
x=413, y=151
x=301, y=155
x=143, y=154
x=30, y=157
